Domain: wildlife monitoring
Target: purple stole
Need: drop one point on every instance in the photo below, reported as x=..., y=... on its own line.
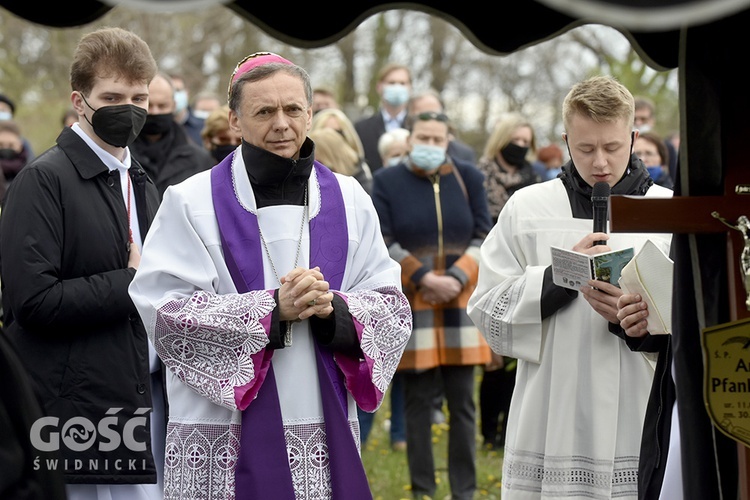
x=263, y=465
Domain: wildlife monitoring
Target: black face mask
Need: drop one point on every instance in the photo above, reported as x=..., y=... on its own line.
x=117, y=125
x=221, y=152
x=7, y=154
x=158, y=124
x=514, y=154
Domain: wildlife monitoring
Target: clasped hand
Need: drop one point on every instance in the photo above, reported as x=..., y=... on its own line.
x=439, y=289
x=304, y=293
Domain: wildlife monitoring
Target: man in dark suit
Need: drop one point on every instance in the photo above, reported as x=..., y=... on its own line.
x=393, y=87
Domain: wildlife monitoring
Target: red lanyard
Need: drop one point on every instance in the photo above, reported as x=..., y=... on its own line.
x=130, y=230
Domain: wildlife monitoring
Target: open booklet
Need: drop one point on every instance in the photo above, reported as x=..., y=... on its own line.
x=650, y=275
x=573, y=270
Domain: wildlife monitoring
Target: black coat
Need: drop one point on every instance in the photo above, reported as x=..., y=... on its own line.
x=171, y=159
x=65, y=278
x=369, y=130
x=21, y=479
x=460, y=151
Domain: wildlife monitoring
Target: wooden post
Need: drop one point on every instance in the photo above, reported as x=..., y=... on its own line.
x=694, y=214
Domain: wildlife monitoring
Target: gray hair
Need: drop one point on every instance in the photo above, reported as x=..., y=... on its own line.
x=266, y=71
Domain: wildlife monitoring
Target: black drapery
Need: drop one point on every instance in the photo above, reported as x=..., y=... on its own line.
x=706, y=39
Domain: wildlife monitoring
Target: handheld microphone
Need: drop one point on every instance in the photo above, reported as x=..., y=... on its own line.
x=600, y=204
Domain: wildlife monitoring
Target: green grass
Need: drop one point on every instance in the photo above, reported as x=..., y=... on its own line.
x=388, y=471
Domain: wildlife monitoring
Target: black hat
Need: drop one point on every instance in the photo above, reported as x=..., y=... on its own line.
x=6, y=100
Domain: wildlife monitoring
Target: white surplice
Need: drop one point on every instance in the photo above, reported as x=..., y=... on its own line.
x=183, y=274
x=577, y=412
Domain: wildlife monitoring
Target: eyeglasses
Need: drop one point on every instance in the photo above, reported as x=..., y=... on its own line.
x=432, y=115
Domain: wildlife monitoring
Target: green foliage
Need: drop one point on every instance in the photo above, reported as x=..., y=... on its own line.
x=204, y=45
x=642, y=80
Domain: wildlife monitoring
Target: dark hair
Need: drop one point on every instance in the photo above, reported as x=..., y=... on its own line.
x=111, y=52
x=4, y=98
x=643, y=102
x=69, y=113
x=388, y=68
x=657, y=141
x=424, y=117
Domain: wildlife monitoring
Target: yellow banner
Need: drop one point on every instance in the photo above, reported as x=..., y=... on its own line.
x=726, y=390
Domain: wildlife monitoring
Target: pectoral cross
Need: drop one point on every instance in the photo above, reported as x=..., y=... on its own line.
x=694, y=215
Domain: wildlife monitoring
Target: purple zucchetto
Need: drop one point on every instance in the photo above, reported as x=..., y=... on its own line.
x=253, y=61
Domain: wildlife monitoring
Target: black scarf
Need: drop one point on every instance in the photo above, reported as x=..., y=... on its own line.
x=635, y=181
x=153, y=155
x=277, y=180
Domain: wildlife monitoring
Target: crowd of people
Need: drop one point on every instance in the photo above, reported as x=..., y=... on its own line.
x=222, y=295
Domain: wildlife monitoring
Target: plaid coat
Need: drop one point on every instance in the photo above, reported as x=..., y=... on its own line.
x=436, y=223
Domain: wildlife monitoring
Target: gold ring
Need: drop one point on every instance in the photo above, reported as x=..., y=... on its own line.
x=312, y=302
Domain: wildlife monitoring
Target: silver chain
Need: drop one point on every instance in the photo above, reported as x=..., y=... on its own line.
x=287, y=338
x=305, y=217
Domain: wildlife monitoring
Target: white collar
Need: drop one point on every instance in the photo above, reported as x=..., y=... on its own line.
x=110, y=161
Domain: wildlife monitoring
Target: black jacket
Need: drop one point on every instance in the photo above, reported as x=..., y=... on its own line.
x=369, y=130
x=64, y=257
x=21, y=479
x=171, y=159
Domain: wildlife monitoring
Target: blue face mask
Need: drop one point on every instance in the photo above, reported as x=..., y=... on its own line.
x=427, y=157
x=395, y=94
x=396, y=160
x=655, y=172
x=180, y=100
x=203, y=114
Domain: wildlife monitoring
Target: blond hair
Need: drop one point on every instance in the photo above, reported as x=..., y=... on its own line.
x=599, y=98
x=320, y=120
x=332, y=151
x=216, y=122
x=502, y=135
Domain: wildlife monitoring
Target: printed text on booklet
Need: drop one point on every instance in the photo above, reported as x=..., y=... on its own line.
x=574, y=269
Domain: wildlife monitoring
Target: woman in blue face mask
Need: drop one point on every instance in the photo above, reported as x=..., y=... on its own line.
x=433, y=216
x=652, y=151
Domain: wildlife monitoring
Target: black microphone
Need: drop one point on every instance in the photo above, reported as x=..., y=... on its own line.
x=600, y=203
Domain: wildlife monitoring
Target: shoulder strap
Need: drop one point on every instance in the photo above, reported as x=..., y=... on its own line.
x=460, y=180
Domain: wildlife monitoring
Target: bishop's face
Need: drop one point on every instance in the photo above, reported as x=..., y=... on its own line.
x=273, y=114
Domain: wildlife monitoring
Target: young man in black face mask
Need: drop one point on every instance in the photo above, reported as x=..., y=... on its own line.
x=163, y=147
x=71, y=229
